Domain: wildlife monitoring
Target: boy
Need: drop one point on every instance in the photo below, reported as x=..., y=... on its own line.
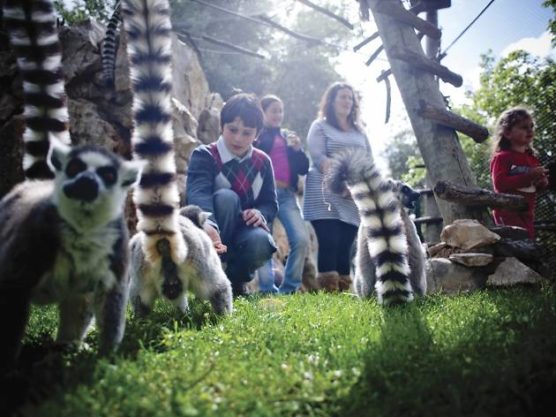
x=234, y=182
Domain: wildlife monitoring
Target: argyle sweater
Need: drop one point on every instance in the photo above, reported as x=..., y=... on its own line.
x=213, y=167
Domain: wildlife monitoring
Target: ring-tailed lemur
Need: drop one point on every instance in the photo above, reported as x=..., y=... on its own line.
x=170, y=254
x=110, y=47
x=389, y=257
x=64, y=240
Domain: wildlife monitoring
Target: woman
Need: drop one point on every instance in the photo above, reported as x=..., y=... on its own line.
x=334, y=217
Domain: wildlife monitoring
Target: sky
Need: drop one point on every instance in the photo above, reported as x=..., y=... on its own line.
x=505, y=26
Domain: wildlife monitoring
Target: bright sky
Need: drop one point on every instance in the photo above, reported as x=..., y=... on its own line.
x=505, y=26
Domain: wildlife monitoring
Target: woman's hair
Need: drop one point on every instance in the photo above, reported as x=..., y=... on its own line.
x=246, y=107
x=326, y=107
x=267, y=100
x=507, y=120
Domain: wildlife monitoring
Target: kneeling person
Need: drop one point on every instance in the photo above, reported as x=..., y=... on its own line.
x=234, y=182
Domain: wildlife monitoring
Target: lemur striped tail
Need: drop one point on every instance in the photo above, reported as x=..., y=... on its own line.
x=379, y=210
x=148, y=27
x=109, y=47
x=34, y=38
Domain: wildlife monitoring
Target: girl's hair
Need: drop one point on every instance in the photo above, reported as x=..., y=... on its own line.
x=326, y=107
x=507, y=120
x=267, y=100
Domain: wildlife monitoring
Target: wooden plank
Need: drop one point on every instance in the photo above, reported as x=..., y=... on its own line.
x=475, y=196
x=427, y=220
x=395, y=10
x=365, y=42
x=446, y=118
x=420, y=61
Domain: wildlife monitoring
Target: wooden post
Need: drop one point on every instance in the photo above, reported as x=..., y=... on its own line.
x=475, y=196
x=439, y=145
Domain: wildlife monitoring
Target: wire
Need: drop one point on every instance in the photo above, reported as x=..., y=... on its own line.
x=444, y=53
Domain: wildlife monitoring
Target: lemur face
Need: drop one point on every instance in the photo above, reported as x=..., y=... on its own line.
x=90, y=183
x=407, y=195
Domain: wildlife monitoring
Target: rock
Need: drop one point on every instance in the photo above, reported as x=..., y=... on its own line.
x=11, y=154
x=467, y=234
x=447, y=277
x=189, y=84
x=209, y=125
x=511, y=272
x=88, y=127
x=471, y=259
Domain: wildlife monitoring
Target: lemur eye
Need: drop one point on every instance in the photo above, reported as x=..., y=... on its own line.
x=108, y=175
x=74, y=167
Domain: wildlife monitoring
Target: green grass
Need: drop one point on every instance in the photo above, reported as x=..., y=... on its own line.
x=488, y=353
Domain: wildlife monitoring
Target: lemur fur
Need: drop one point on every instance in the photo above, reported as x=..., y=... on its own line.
x=110, y=47
x=202, y=272
x=389, y=259
x=170, y=254
x=64, y=241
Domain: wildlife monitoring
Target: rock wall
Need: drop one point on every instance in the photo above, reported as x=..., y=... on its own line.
x=102, y=116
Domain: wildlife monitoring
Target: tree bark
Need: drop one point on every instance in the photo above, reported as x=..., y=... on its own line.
x=475, y=196
x=439, y=146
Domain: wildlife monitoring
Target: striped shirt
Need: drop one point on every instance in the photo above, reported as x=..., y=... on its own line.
x=323, y=141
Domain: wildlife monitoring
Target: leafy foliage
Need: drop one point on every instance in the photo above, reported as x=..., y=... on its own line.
x=552, y=22
x=84, y=9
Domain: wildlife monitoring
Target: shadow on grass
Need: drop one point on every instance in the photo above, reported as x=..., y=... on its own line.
x=45, y=368
x=504, y=364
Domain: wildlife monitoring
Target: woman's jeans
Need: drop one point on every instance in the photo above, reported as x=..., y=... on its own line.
x=248, y=247
x=290, y=217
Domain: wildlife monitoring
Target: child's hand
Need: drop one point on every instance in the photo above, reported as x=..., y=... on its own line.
x=215, y=237
x=253, y=217
x=537, y=174
x=294, y=141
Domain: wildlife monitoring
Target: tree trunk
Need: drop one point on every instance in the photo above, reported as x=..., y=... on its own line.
x=439, y=145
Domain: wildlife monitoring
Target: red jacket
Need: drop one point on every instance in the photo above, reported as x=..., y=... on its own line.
x=509, y=171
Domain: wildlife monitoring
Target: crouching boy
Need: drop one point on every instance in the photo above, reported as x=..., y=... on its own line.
x=234, y=182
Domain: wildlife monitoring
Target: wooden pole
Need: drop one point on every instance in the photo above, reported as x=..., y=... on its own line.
x=395, y=10
x=475, y=196
x=446, y=118
x=327, y=13
x=418, y=60
x=439, y=147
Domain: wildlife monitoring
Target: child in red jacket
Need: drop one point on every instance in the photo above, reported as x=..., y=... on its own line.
x=514, y=168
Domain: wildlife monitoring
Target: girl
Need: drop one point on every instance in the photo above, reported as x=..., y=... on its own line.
x=289, y=162
x=334, y=217
x=514, y=168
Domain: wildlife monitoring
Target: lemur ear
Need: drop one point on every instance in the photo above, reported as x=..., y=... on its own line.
x=130, y=172
x=57, y=155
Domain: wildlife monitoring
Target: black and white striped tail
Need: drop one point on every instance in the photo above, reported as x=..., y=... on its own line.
x=34, y=38
x=109, y=47
x=148, y=27
x=379, y=210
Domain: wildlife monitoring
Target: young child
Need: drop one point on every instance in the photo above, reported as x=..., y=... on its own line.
x=234, y=182
x=289, y=162
x=515, y=169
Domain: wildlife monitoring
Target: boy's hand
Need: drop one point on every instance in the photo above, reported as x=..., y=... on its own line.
x=215, y=237
x=253, y=217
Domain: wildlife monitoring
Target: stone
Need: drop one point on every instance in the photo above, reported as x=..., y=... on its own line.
x=512, y=272
x=471, y=259
x=444, y=276
x=467, y=234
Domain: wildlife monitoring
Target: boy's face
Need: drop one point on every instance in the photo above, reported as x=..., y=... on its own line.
x=238, y=137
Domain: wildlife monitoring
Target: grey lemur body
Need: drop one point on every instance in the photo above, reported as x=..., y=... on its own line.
x=201, y=272
x=63, y=240
x=390, y=258
x=170, y=254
